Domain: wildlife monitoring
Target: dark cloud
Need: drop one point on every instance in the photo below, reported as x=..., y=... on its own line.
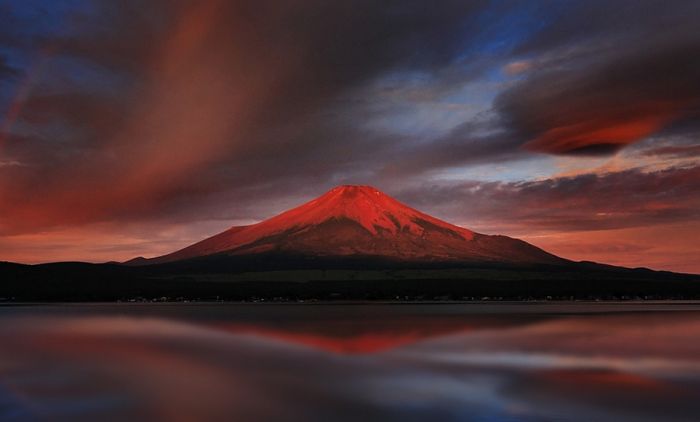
x=605, y=75
x=6, y=70
x=94, y=114
x=596, y=78
x=631, y=198
x=142, y=104
x=479, y=141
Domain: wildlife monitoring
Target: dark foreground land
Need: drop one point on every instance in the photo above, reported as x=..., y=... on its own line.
x=301, y=279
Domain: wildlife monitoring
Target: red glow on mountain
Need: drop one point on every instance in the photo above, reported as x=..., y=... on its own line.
x=351, y=345
x=362, y=221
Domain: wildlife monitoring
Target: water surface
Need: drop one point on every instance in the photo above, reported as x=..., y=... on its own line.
x=481, y=362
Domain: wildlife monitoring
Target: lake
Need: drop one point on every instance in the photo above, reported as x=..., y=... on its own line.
x=333, y=362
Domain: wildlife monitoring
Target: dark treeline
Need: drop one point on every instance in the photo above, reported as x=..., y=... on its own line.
x=112, y=282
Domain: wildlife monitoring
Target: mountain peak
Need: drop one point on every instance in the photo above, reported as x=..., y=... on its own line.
x=345, y=193
x=372, y=209
x=355, y=188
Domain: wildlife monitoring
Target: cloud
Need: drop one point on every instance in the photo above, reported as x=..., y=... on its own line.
x=517, y=67
x=630, y=198
x=609, y=83
x=478, y=141
x=675, y=151
x=11, y=163
x=6, y=71
x=671, y=246
x=205, y=87
x=582, y=90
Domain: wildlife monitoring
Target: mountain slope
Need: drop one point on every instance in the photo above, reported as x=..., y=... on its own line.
x=362, y=221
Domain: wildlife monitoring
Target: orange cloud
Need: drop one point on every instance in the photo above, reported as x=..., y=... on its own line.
x=672, y=247
x=586, y=134
x=196, y=104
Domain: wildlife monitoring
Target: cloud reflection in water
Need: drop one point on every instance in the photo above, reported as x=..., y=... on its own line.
x=400, y=366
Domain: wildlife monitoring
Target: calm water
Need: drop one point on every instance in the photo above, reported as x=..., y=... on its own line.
x=480, y=362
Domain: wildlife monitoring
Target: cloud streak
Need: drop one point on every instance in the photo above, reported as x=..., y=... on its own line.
x=589, y=201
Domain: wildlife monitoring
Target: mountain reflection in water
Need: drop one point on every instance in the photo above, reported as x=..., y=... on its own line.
x=578, y=362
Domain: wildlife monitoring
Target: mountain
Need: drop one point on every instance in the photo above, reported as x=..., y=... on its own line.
x=361, y=221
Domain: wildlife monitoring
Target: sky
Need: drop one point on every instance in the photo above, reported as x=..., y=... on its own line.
x=131, y=128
